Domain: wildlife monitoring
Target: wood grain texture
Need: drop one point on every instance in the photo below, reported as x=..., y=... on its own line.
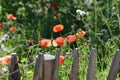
x=14, y=71
x=38, y=72
x=115, y=66
x=56, y=66
x=75, y=66
x=92, y=65
x=48, y=66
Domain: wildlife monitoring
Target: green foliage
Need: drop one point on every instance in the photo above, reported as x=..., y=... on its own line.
x=35, y=20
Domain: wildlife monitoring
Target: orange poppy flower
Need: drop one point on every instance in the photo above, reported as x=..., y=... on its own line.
x=53, y=6
x=61, y=60
x=11, y=17
x=44, y=42
x=13, y=28
x=30, y=42
x=81, y=34
x=58, y=28
x=60, y=41
x=1, y=25
x=8, y=58
x=71, y=38
x=54, y=43
x=5, y=60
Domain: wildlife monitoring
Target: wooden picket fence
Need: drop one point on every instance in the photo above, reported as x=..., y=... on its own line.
x=46, y=67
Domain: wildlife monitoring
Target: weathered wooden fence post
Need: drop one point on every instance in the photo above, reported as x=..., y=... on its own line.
x=115, y=66
x=56, y=66
x=92, y=65
x=38, y=72
x=14, y=71
x=46, y=67
x=75, y=66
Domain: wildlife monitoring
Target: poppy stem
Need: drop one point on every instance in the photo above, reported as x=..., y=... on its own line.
x=60, y=34
x=60, y=20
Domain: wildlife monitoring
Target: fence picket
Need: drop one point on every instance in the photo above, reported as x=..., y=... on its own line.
x=56, y=66
x=46, y=67
x=115, y=66
x=75, y=66
x=14, y=71
x=38, y=73
x=92, y=65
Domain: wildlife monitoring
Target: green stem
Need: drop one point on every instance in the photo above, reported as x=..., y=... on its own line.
x=106, y=22
x=81, y=4
x=108, y=26
x=60, y=20
x=118, y=21
x=99, y=39
x=1, y=9
x=95, y=6
x=60, y=34
x=108, y=18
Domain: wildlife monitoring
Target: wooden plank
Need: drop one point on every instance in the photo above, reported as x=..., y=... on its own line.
x=14, y=71
x=56, y=66
x=92, y=65
x=38, y=72
x=115, y=66
x=75, y=66
x=48, y=66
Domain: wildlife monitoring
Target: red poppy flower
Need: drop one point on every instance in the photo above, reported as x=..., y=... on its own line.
x=44, y=42
x=53, y=6
x=6, y=59
x=88, y=9
x=54, y=43
x=71, y=38
x=2, y=61
x=58, y=28
x=11, y=17
x=13, y=28
x=1, y=25
x=60, y=41
x=30, y=42
x=81, y=34
x=61, y=60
